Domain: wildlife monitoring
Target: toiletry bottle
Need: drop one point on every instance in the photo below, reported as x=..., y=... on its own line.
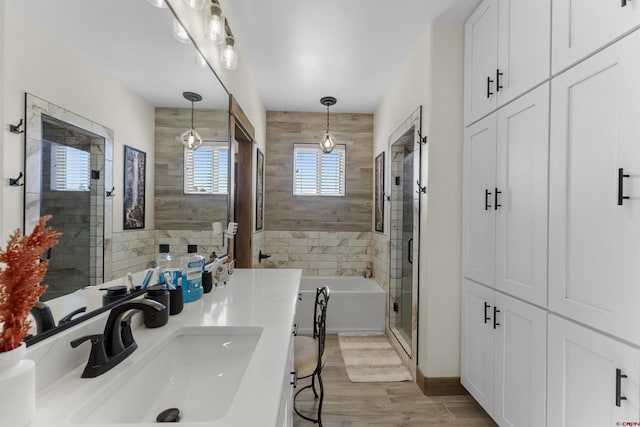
x=164, y=262
x=192, y=265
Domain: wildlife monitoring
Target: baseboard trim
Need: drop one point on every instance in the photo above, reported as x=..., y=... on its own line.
x=439, y=386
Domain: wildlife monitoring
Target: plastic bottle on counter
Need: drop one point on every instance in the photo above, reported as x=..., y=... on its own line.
x=165, y=264
x=192, y=265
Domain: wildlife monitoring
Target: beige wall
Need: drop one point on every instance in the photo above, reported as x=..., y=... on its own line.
x=432, y=77
x=351, y=213
x=34, y=63
x=5, y=128
x=174, y=209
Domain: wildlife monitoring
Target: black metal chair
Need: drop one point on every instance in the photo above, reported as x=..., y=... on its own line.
x=309, y=354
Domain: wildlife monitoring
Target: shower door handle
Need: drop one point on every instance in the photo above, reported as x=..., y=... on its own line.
x=409, y=251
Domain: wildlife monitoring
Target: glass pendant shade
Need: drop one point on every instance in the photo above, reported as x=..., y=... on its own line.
x=327, y=143
x=158, y=3
x=191, y=139
x=195, y=4
x=228, y=54
x=180, y=33
x=214, y=24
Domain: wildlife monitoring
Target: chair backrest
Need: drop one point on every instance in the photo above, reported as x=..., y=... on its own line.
x=320, y=319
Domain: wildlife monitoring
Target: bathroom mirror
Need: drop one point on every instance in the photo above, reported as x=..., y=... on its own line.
x=131, y=43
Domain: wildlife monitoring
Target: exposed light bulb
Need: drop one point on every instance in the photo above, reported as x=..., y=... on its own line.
x=195, y=4
x=180, y=33
x=228, y=54
x=328, y=143
x=158, y=3
x=191, y=139
x=214, y=24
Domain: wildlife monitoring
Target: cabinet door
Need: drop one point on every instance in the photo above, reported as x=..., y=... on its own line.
x=524, y=40
x=594, y=243
x=477, y=342
x=522, y=178
x=582, y=378
x=520, y=364
x=581, y=27
x=480, y=61
x=479, y=201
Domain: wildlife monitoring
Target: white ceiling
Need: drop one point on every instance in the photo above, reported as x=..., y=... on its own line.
x=131, y=41
x=301, y=50
x=297, y=50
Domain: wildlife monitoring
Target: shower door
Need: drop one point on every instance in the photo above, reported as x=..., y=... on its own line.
x=404, y=157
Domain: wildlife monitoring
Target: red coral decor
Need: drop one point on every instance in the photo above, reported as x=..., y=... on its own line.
x=21, y=272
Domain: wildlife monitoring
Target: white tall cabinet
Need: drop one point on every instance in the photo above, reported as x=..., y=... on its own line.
x=551, y=212
x=506, y=53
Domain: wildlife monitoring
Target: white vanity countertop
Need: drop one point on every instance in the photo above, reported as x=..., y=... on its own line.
x=254, y=297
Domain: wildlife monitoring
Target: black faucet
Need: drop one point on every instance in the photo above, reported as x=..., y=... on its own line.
x=116, y=343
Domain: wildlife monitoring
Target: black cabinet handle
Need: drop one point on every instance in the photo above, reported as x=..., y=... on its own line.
x=498, y=75
x=619, y=397
x=409, y=251
x=487, y=193
x=623, y=3
x=495, y=317
x=489, y=81
x=496, y=204
x=486, y=306
x=621, y=176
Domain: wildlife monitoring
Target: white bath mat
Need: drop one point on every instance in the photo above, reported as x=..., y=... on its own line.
x=370, y=358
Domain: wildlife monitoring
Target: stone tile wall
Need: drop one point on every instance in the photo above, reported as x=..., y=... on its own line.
x=319, y=253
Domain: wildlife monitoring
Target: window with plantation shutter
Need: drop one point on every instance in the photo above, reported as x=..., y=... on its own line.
x=70, y=168
x=206, y=170
x=317, y=173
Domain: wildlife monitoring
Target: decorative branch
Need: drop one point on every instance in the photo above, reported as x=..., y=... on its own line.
x=21, y=273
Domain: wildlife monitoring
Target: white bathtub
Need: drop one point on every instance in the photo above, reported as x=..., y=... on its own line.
x=356, y=304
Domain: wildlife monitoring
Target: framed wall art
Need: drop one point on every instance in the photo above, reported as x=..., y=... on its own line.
x=135, y=166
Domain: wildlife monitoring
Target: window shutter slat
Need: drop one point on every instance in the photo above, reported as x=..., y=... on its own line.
x=317, y=173
x=206, y=169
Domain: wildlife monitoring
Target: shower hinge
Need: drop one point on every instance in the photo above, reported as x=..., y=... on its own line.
x=396, y=308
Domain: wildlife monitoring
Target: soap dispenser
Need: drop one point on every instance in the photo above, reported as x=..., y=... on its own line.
x=192, y=265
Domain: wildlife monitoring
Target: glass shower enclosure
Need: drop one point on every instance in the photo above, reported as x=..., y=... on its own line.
x=404, y=159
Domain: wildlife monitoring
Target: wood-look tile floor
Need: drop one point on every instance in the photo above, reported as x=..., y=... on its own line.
x=401, y=404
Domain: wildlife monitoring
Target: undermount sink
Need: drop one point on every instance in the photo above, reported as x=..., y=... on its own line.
x=198, y=370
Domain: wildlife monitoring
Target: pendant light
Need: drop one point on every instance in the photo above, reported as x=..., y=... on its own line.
x=214, y=23
x=328, y=141
x=190, y=138
x=229, y=54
